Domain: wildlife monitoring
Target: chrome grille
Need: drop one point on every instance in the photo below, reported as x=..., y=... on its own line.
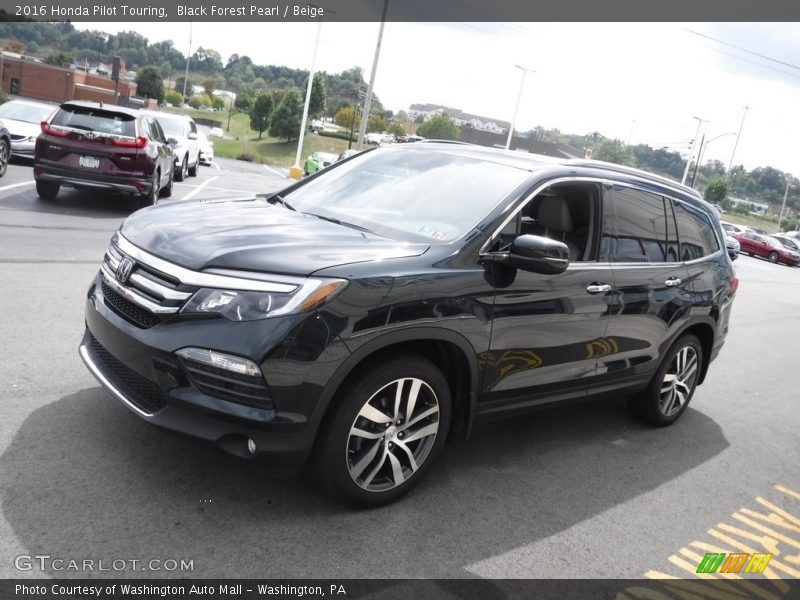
x=145, y=288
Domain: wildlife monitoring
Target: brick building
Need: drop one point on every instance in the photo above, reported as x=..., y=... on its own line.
x=32, y=79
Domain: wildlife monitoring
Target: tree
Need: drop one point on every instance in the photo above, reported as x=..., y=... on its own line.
x=149, y=84
x=378, y=123
x=319, y=96
x=419, y=119
x=174, y=98
x=209, y=85
x=716, y=191
x=396, y=129
x=401, y=116
x=344, y=117
x=439, y=127
x=286, y=119
x=32, y=47
x=201, y=100
x=244, y=99
x=217, y=102
x=260, y=113
x=614, y=151
x=14, y=46
x=179, y=85
x=58, y=58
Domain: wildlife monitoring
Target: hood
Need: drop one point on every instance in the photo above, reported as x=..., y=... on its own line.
x=22, y=128
x=254, y=235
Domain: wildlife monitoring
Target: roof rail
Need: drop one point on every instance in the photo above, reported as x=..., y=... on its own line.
x=599, y=164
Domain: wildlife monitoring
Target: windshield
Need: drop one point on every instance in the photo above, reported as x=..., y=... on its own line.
x=424, y=195
x=30, y=113
x=95, y=119
x=172, y=127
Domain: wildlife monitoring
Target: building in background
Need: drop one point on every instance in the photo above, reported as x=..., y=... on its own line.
x=460, y=118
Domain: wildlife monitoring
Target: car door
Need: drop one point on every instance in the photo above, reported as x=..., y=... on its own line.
x=652, y=295
x=547, y=330
x=166, y=156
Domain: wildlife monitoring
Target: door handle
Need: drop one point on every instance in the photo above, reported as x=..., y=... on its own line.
x=598, y=288
x=673, y=281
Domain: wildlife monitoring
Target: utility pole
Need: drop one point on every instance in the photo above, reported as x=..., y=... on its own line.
x=630, y=133
x=186, y=73
x=362, y=130
x=230, y=111
x=736, y=144
x=697, y=162
x=691, y=148
x=783, y=206
x=516, y=106
x=297, y=171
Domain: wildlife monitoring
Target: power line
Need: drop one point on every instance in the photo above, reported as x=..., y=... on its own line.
x=752, y=62
x=708, y=37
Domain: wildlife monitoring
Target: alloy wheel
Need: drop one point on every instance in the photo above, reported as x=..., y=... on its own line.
x=3, y=158
x=679, y=381
x=393, y=434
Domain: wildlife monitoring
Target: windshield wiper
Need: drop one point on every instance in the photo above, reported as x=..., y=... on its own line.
x=343, y=223
x=278, y=199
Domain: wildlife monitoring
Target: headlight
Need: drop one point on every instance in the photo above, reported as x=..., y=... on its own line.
x=238, y=305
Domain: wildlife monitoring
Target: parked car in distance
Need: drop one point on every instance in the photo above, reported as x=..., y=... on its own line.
x=793, y=234
x=719, y=209
x=216, y=132
x=23, y=120
x=788, y=242
x=732, y=245
x=406, y=139
x=181, y=133
x=767, y=247
x=206, y=148
x=318, y=161
x=362, y=319
x=733, y=228
x=88, y=145
x=348, y=153
x=316, y=125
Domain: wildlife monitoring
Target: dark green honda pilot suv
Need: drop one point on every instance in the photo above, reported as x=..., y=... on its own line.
x=363, y=317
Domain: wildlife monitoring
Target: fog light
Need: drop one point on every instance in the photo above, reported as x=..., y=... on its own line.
x=221, y=361
x=251, y=445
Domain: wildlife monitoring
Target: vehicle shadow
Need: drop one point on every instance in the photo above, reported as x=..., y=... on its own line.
x=84, y=203
x=84, y=478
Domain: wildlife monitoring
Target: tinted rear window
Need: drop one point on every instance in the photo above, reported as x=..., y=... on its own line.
x=95, y=119
x=695, y=231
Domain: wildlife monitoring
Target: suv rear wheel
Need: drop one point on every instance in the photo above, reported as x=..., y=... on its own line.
x=391, y=423
x=47, y=190
x=151, y=198
x=180, y=175
x=166, y=191
x=673, y=385
x=193, y=169
x=5, y=154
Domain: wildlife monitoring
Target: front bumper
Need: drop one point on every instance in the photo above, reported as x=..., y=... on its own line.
x=23, y=148
x=139, y=367
x=122, y=184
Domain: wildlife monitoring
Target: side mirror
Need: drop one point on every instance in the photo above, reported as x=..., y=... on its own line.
x=192, y=136
x=538, y=255
x=172, y=141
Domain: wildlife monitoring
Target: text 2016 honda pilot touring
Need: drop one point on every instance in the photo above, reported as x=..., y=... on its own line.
x=372, y=312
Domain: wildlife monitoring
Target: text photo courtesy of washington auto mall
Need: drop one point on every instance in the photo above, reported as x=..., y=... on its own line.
x=389, y=299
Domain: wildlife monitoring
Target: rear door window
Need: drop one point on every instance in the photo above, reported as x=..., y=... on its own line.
x=696, y=234
x=98, y=120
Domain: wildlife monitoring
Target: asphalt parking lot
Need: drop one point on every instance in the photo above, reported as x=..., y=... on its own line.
x=581, y=491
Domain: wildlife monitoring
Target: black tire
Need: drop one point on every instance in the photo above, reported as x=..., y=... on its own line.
x=5, y=156
x=47, y=190
x=772, y=257
x=193, y=169
x=151, y=198
x=341, y=458
x=650, y=405
x=166, y=191
x=181, y=173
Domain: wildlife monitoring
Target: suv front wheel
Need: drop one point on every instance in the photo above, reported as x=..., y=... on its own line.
x=389, y=426
x=673, y=385
x=183, y=171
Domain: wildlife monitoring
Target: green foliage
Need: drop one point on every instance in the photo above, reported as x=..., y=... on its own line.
x=419, y=119
x=58, y=58
x=173, y=98
x=201, y=100
x=344, y=117
x=286, y=119
x=439, y=127
x=260, y=113
x=217, y=102
x=319, y=96
x=14, y=46
x=396, y=129
x=790, y=225
x=179, y=85
x=32, y=47
x=378, y=123
x=209, y=85
x=149, y=84
x=742, y=209
x=245, y=99
x=614, y=151
x=716, y=191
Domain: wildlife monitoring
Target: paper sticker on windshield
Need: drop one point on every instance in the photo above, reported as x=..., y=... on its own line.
x=430, y=232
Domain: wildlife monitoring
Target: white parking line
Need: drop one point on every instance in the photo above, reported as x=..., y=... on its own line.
x=200, y=187
x=14, y=185
x=285, y=172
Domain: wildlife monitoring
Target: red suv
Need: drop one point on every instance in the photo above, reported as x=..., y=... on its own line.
x=89, y=145
x=767, y=247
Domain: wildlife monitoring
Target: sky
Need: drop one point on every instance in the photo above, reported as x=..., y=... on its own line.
x=639, y=82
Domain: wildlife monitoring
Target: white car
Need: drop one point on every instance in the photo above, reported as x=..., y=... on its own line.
x=181, y=132
x=206, y=148
x=216, y=132
x=23, y=120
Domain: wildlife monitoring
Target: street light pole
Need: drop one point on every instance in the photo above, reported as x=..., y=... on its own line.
x=186, y=73
x=296, y=169
x=691, y=148
x=516, y=107
x=702, y=153
x=736, y=144
x=783, y=206
x=362, y=130
x=630, y=133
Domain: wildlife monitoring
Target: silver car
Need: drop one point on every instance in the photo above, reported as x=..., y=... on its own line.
x=23, y=120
